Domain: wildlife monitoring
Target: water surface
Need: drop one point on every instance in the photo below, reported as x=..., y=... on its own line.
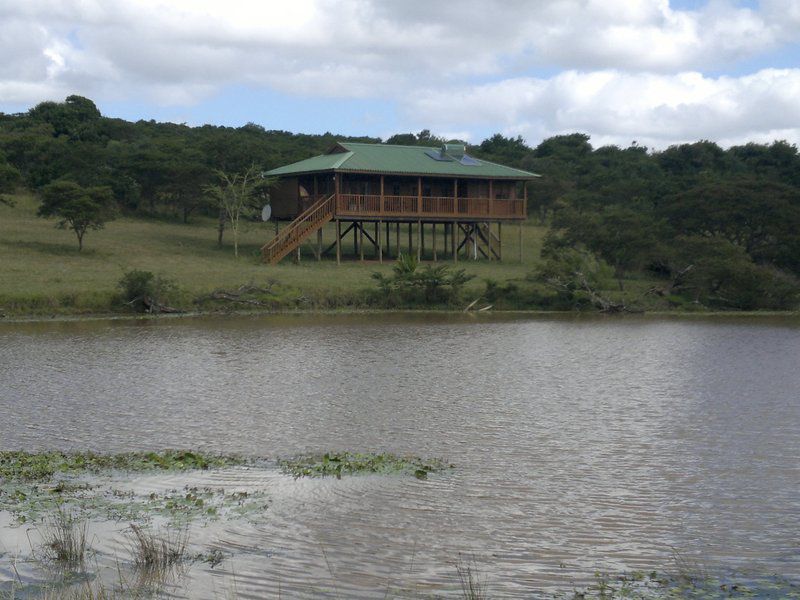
x=580, y=443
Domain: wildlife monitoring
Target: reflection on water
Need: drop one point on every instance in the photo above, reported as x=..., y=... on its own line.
x=580, y=443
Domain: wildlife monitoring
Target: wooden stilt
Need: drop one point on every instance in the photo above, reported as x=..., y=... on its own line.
x=520, y=241
x=419, y=240
x=355, y=238
x=422, y=239
x=338, y=242
x=499, y=241
x=380, y=241
x=453, y=242
x=410, y=243
x=319, y=243
x=388, y=245
x=433, y=226
x=361, y=241
x=397, y=239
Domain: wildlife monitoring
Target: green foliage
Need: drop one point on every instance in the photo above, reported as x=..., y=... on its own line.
x=576, y=275
x=79, y=209
x=716, y=273
x=333, y=464
x=143, y=290
x=27, y=466
x=429, y=286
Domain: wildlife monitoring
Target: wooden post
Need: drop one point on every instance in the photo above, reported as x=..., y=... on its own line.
x=520, y=241
x=455, y=204
x=419, y=196
x=382, y=207
x=379, y=239
x=319, y=244
x=388, y=245
x=453, y=241
x=361, y=240
x=474, y=241
x=410, y=243
x=397, y=239
x=419, y=240
x=524, y=199
x=499, y=240
x=422, y=239
x=433, y=226
x=338, y=242
x=298, y=252
x=355, y=238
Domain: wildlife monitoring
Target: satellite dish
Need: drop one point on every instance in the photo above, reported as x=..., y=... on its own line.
x=266, y=212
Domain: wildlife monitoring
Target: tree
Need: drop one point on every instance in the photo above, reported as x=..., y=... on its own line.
x=237, y=195
x=9, y=178
x=80, y=209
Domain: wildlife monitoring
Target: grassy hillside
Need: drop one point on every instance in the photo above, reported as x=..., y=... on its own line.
x=42, y=271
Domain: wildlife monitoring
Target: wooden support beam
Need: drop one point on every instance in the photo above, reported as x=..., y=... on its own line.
x=419, y=195
x=319, y=244
x=419, y=240
x=361, y=241
x=433, y=226
x=453, y=227
x=520, y=241
x=500, y=240
x=410, y=241
x=397, y=239
x=388, y=245
x=379, y=238
x=338, y=242
x=383, y=208
x=422, y=239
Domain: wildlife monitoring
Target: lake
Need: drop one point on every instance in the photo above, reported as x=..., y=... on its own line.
x=579, y=443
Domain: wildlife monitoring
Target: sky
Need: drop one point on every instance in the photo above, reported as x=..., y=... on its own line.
x=653, y=72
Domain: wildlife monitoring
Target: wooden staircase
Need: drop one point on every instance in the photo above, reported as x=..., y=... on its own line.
x=308, y=222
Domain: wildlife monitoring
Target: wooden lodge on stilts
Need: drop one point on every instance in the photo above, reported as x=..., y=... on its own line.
x=449, y=203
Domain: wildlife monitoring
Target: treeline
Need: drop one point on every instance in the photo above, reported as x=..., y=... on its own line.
x=150, y=167
x=715, y=227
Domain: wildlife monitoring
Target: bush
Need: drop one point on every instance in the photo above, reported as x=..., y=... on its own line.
x=144, y=291
x=411, y=286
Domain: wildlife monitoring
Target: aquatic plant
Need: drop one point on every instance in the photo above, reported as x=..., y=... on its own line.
x=64, y=540
x=157, y=551
x=337, y=464
x=473, y=585
x=27, y=466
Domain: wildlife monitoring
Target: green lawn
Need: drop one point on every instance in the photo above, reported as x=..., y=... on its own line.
x=42, y=270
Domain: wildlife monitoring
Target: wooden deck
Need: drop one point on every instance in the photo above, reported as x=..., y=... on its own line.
x=425, y=208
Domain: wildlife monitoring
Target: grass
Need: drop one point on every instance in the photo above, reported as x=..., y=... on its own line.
x=157, y=552
x=333, y=464
x=64, y=540
x=42, y=272
x=473, y=585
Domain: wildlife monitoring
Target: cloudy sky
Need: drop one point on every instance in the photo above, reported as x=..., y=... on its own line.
x=655, y=71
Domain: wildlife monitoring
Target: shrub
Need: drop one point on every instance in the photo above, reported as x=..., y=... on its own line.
x=144, y=291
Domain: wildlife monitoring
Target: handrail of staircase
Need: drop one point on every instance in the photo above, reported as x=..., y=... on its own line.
x=304, y=218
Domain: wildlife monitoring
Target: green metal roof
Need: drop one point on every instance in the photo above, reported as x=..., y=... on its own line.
x=348, y=157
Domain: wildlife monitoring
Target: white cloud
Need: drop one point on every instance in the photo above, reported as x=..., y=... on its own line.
x=615, y=107
x=633, y=67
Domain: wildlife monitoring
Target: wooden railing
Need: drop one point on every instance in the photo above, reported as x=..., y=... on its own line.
x=314, y=217
x=371, y=205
